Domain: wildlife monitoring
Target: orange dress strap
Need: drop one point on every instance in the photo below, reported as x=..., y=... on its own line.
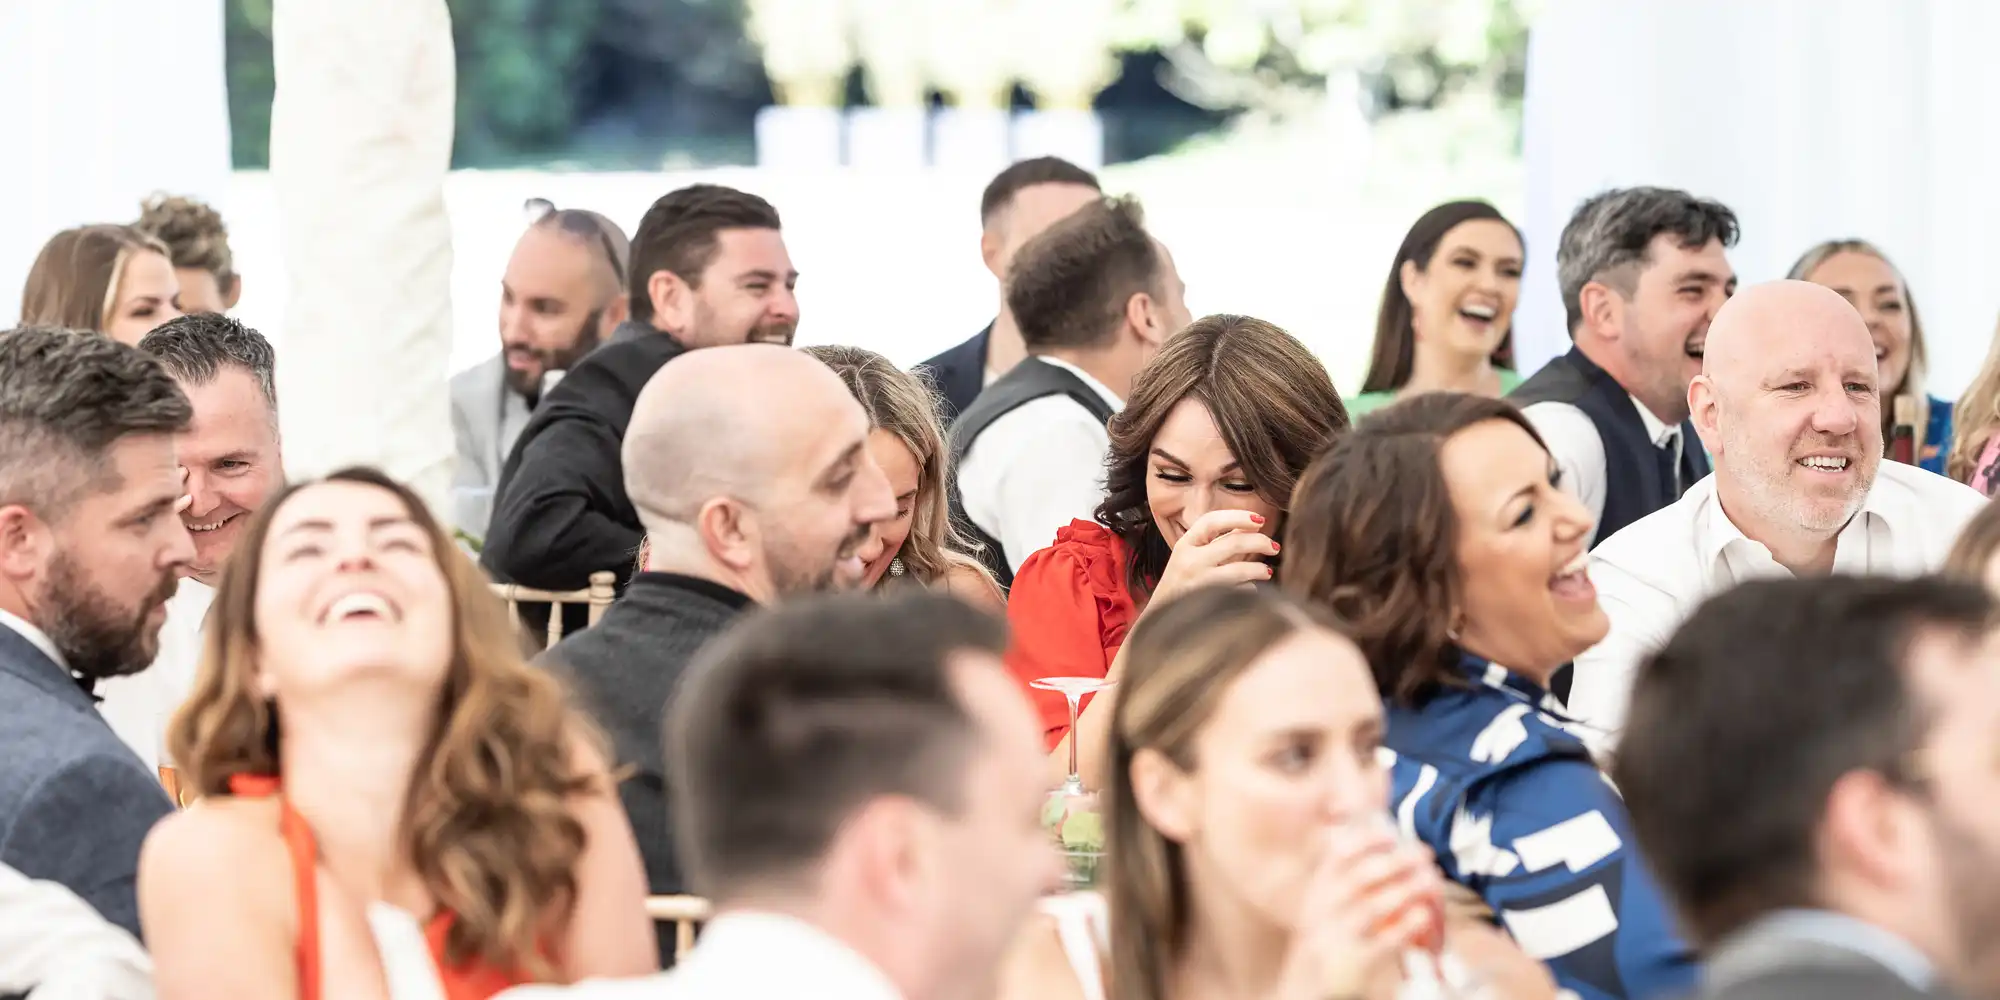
x=305, y=881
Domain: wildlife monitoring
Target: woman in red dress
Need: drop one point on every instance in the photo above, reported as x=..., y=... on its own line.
x=365, y=732
x=1202, y=462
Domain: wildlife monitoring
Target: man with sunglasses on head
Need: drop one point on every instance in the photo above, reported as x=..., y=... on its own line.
x=561, y=295
x=709, y=268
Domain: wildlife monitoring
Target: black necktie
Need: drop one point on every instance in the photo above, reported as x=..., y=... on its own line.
x=1670, y=470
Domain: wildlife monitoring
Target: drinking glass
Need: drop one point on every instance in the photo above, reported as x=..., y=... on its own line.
x=1071, y=811
x=1448, y=978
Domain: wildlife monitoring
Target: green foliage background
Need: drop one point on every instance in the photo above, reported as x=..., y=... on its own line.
x=599, y=83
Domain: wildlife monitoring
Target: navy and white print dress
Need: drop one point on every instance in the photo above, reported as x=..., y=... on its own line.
x=1494, y=779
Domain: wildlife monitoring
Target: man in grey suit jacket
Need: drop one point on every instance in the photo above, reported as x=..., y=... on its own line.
x=91, y=547
x=1810, y=767
x=561, y=296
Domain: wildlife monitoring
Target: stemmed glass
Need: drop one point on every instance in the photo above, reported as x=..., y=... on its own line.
x=1071, y=812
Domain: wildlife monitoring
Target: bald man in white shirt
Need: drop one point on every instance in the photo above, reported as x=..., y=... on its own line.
x=1789, y=405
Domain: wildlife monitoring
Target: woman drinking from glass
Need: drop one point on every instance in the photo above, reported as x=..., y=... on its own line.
x=366, y=733
x=1438, y=531
x=1249, y=848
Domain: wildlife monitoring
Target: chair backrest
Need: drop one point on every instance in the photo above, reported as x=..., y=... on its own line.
x=686, y=913
x=602, y=591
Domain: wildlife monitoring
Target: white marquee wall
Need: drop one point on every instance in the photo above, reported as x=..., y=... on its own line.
x=1813, y=119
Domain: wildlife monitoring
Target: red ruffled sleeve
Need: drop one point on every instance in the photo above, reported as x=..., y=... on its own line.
x=1069, y=610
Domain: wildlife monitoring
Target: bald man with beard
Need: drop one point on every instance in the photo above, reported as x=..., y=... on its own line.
x=1790, y=407
x=749, y=468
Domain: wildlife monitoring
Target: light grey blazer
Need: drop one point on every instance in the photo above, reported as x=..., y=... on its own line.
x=486, y=417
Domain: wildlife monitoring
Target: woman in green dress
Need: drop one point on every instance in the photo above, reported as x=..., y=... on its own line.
x=1446, y=320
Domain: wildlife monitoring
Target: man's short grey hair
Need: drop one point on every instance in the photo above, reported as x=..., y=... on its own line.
x=1609, y=237
x=66, y=397
x=195, y=348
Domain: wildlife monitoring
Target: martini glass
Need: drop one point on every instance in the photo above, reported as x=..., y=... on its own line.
x=1071, y=812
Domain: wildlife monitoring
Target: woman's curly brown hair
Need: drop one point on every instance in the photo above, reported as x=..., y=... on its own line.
x=487, y=822
x=1374, y=538
x=195, y=236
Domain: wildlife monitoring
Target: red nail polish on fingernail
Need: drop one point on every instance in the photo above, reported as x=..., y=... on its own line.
x=1256, y=519
x=1275, y=547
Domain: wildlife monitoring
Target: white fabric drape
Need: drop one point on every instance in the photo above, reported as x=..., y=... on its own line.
x=1813, y=119
x=103, y=102
x=361, y=132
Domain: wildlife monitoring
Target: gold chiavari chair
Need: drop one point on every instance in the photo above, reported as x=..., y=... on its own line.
x=602, y=591
x=686, y=914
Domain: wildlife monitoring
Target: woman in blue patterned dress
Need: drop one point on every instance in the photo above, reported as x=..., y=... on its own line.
x=1438, y=531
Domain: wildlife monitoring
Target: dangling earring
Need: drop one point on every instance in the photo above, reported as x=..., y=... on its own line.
x=896, y=566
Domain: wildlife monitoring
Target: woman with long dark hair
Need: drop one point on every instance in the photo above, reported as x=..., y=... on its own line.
x=364, y=732
x=1202, y=462
x=1446, y=322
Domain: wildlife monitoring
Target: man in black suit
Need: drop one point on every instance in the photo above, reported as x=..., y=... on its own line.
x=709, y=268
x=1810, y=767
x=1019, y=203
x=91, y=549
x=749, y=468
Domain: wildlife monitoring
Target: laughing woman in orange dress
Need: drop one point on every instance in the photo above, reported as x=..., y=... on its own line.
x=364, y=730
x=1203, y=458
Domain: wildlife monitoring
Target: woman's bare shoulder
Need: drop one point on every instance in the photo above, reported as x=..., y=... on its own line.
x=222, y=834
x=972, y=585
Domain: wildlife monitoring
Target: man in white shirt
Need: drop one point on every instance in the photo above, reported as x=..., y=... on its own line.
x=1789, y=404
x=1094, y=296
x=1643, y=272
x=230, y=455
x=855, y=781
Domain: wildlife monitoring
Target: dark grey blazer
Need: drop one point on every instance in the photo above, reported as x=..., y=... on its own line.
x=1758, y=964
x=75, y=802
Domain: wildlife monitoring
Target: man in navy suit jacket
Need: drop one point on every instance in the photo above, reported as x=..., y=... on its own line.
x=91, y=548
x=1019, y=203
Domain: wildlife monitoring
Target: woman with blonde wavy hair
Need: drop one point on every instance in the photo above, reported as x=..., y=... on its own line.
x=907, y=441
x=1864, y=276
x=365, y=733
x=1975, y=448
x=115, y=280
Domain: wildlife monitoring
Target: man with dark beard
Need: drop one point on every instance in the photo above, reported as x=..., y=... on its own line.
x=750, y=469
x=1809, y=766
x=91, y=547
x=562, y=294
x=709, y=269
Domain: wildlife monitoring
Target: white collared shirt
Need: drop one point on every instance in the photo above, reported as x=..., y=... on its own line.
x=1579, y=450
x=1653, y=574
x=138, y=706
x=33, y=633
x=744, y=954
x=1036, y=469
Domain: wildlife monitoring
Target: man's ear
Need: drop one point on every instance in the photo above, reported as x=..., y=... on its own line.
x=992, y=248
x=1704, y=409
x=26, y=542
x=1143, y=315
x=1603, y=309
x=672, y=299
x=729, y=531
x=615, y=313
x=232, y=294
